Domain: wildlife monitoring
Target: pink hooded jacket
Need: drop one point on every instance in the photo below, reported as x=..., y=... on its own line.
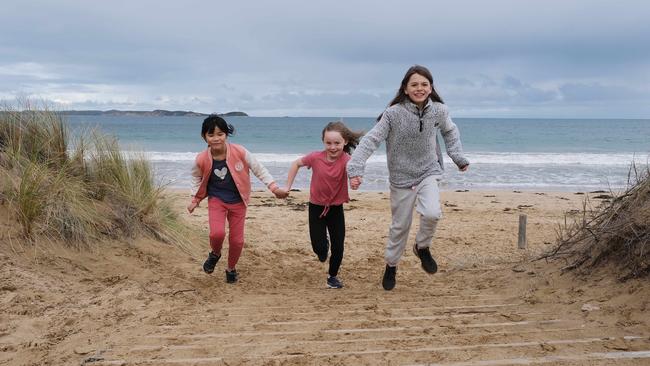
x=240, y=163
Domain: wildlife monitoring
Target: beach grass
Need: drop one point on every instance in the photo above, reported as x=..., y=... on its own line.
x=616, y=232
x=79, y=190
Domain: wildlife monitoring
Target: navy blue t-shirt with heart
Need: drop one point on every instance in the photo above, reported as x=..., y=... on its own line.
x=221, y=184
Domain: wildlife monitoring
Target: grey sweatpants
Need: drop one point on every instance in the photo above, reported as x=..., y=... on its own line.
x=426, y=199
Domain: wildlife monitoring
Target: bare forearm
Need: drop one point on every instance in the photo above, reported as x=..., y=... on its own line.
x=293, y=171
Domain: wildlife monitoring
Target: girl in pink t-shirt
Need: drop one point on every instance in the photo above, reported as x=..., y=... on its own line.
x=327, y=193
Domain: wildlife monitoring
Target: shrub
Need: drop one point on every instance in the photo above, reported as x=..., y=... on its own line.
x=78, y=192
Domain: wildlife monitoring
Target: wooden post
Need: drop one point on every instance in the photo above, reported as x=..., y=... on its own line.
x=522, y=232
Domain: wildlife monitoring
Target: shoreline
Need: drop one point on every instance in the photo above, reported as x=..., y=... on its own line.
x=442, y=190
x=477, y=227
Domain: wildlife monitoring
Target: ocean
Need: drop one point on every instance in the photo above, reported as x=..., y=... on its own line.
x=505, y=153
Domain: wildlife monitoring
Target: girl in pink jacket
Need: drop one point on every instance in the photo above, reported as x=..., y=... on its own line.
x=222, y=173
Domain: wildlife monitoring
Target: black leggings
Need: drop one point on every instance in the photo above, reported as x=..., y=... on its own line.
x=334, y=222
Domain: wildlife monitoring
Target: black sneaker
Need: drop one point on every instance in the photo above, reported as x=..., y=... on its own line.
x=211, y=262
x=231, y=276
x=428, y=263
x=389, y=278
x=333, y=282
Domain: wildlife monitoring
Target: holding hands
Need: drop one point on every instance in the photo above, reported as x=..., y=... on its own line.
x=355, y=182
x=281, y=193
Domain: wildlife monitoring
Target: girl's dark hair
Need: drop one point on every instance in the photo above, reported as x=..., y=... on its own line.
x=213, y=121
x=400, y=97
x=352, y=137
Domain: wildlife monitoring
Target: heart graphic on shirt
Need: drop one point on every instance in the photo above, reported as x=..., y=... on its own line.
x=221, y=173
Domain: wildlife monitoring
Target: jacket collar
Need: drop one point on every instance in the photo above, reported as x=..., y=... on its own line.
x=209, y=153
x=413, y=108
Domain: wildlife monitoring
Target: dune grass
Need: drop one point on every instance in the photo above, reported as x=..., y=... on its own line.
x=616, y=233
x=78, y=192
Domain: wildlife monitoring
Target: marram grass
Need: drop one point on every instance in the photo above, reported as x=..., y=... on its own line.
x=78, y=192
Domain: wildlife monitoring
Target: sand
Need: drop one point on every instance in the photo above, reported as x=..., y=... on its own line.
x=145, y=302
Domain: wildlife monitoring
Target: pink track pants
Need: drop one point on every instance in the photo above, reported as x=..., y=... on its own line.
x=218, y=212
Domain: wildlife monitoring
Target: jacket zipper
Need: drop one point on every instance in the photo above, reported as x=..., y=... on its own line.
x=421, y=115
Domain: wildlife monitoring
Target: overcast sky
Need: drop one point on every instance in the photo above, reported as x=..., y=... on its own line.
x=552, y=58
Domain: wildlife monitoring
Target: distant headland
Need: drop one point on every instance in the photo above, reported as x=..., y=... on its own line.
x=154, y=113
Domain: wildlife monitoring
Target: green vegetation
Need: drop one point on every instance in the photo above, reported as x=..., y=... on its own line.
x=78, y=192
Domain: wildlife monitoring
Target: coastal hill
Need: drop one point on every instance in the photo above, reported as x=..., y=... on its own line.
x=154, y=113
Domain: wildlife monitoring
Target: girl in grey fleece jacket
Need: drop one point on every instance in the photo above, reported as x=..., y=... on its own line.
x=409, y=126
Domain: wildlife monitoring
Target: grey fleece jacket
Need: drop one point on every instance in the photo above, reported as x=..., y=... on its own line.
x=412, y=148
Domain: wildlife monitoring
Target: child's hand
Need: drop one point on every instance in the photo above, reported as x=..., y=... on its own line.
x=191, y=207
x=355, y=182
x=280, y=193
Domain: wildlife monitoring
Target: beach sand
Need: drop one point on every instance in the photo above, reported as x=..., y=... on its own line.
x=144, y=302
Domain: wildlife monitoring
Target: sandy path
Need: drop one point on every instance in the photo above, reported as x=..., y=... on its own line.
x=148, y=303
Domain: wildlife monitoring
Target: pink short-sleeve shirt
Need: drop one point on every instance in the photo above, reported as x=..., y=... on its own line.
x=329, y=179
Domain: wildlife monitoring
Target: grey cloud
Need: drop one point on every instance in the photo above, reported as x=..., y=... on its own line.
x=506, y=90
x=291, y=55
x=287, y=101
x=597, y=92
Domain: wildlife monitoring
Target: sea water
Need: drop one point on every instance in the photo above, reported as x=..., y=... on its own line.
x=505, y=153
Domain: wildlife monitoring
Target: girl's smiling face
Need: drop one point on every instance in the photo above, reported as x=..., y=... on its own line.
x=334, y=144
x=216, y=139
x=418, y=89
